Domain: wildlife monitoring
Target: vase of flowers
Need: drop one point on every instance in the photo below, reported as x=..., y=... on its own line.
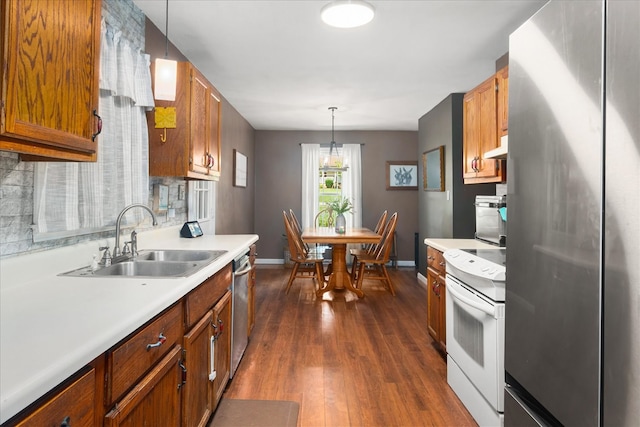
x=341, y=206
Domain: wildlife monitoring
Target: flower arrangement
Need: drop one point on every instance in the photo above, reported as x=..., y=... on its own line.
x=341, y=205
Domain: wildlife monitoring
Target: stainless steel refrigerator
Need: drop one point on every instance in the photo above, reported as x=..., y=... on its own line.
x=572, y=342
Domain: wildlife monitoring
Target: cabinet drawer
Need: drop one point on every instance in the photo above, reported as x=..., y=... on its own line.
x=75, y=403
x=128, y=361
x=201, y=299
x=435, y=260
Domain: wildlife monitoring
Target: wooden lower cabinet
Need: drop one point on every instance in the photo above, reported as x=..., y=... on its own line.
x=252, y=290
x=207, y=361
x=222, y=356
x=436, y=297
x=197, y=402
x=157, y=376
x=155, y=400
x=436, y=294
x=73, y=405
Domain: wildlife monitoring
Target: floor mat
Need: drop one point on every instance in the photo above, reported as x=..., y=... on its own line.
x=254, y=413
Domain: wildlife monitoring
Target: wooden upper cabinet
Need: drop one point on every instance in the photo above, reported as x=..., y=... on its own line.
x=480, y=134
x=50, y=78
x=192, y=148
x=502, y=77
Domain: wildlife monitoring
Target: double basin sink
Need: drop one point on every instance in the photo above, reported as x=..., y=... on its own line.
x=154, y=263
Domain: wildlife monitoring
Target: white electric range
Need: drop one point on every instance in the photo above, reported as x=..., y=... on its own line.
x=475, y=298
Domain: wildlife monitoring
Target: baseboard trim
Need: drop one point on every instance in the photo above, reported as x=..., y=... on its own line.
x=280, y=261
x=422, y=280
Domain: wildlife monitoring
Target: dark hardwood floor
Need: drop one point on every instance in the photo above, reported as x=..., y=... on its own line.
x=347, y=361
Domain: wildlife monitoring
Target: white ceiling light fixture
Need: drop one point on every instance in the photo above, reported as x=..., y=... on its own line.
x=347, y=13
x=166, y=71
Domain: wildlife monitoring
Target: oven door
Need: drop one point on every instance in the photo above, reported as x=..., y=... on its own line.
x=475, y=339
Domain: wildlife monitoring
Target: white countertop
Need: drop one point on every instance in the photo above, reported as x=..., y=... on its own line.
x=444, y=244
x=52, y=326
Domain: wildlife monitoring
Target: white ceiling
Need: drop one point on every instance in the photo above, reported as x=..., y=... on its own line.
x=281, y=67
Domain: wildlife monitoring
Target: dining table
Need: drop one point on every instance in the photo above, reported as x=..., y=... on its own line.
x=339, y=279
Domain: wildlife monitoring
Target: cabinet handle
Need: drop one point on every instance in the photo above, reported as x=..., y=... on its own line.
x=66, y=422
x=211, y=161
x=218, y=330
x=161, y=340
x=212, y=359
x=184, y=374
x=93, y=137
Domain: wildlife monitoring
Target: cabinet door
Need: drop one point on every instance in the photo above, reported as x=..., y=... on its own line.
x=222, y=347
x=213, y=150
x=51, y=50
x=487, y=127
x=442, y=293
x=199, y=122
x=74, y=405
x=434, y=315
x=155, y=400
x=503, y=101
x=251, y=301
x=197, y=401
x=470, y=134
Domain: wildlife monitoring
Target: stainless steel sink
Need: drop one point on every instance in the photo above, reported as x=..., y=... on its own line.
x=154, y=263
x=177, y=255
x=150, y=269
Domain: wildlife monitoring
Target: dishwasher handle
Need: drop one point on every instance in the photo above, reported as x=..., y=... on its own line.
x=243, y=271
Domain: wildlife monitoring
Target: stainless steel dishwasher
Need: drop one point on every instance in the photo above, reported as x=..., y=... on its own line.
x=239, y=313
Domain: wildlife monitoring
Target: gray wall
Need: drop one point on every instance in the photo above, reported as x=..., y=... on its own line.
x=279, y=186
x=441, y=217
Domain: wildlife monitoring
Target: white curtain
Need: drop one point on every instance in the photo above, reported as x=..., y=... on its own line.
x=352, y=183
x=310, y=183
x=89, y=196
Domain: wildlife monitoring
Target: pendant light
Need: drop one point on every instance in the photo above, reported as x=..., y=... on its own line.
x=329, y=163
x=166, y=71
x=332, y=144
x=347, y=13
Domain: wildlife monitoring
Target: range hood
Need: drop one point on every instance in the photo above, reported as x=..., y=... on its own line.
x=501, y=151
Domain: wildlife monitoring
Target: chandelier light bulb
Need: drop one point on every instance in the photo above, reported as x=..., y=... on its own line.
x=347, y=13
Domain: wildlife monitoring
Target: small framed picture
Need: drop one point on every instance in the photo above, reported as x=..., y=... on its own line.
x=239, y=169
x=402, y=175
x=433, y=169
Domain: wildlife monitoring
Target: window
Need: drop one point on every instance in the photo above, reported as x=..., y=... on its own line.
x=202, y=206
x=330, y=171
x=345, y=181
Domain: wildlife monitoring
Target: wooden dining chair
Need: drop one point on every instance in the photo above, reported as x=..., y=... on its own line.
x=369, y=248
x=373, y=265
x=306, y=264
x=330, y=217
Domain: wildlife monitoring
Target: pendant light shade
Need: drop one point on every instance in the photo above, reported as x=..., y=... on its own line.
x=347, y=13
x=165, y=79
x=166, y=71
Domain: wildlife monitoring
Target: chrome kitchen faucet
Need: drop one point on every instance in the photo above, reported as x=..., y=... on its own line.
x=134, y=243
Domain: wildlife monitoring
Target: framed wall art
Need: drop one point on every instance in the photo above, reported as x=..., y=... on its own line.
x=239, y=169
x=402, y=175
x=433, y=169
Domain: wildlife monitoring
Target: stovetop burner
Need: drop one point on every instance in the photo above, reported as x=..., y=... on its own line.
x=496, y=256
